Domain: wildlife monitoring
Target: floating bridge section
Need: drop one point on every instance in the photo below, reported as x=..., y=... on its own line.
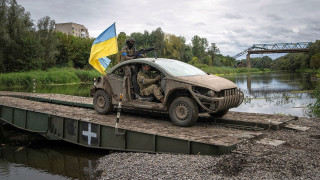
x=75, y=122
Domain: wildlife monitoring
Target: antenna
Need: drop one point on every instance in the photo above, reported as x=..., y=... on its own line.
x=155, y=54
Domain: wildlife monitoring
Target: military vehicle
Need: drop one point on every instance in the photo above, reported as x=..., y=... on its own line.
x=187, y=91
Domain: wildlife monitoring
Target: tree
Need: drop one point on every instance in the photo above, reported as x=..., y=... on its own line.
x=213, y=51
x=140, y=39
x=18, y=25
x=62, y=59
x=74, y=51
x=31, y=52
x=227, y=61
x=48, y=41
x=314, y=51
x=157, y=40
x=173, y=47
x=264, y=62
x=315, y=61
x=122, y=37
x=187, y=54
x=4, y=37
x=199, y=47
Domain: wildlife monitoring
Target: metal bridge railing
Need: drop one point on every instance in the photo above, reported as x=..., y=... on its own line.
x=275, y=46
x=279, y=46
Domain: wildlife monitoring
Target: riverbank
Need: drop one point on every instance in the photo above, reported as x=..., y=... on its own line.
x=313, y=71
x=59, y=76
x=52, y=76
x=229, y=70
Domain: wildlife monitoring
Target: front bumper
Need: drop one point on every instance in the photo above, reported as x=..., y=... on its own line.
x=226, y=99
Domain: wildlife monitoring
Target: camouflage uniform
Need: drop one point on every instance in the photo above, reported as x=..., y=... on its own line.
x=146, y=83
x=125, y=51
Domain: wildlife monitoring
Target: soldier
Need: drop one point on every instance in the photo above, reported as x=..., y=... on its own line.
x=128, y=50
x=146, y=82
x=127, y=53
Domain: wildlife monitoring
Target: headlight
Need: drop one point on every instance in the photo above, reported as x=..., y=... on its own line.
x=211, y=93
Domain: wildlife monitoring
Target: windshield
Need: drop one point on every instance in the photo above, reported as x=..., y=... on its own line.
x=178, y=68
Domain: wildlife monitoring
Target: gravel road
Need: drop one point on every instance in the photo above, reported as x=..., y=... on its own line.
x=297, y=158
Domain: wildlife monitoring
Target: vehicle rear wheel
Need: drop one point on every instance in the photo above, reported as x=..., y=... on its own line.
x=101, y=102
x=183, y=111
x=219, y=114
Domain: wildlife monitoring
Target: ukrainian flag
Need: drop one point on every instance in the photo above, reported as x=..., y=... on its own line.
x=104, y=45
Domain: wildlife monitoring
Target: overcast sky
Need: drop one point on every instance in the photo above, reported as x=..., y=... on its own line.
x=233, y=25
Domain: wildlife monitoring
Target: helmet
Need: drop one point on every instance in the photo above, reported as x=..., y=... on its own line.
x=130, y=40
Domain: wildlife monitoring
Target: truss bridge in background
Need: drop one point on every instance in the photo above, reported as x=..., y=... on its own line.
x=274, y=48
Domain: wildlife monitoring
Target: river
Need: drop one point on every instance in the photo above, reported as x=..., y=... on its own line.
x=275, y=93
x=29, y=156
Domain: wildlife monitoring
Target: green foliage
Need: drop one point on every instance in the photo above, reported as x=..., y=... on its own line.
x=299, y=60
x=228, y=70
x=264, y=62
x=291, y=62
x=315, y=61
x=122, y=37
x=207, y=60
x=74, y=51
x=15, y=26
x=51, y=76
x=194, y=61
x=314, y=48
x=154, y=39
x=86, y=75
x=48, y=42
x=187, y=53
x=199, y=47
x=315, y=108
x=157, y=39
x=25, y=46
x=213, y=51
x=173, y=47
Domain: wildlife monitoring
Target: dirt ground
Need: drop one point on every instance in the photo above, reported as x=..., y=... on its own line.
x=297, y=158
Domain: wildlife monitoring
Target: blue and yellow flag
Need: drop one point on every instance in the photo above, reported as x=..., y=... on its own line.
x=104, y=45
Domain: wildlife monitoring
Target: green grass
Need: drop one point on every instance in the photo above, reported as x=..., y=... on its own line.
x=314, y=108
x=52, y=76
x=228, y=70
x=314, y=71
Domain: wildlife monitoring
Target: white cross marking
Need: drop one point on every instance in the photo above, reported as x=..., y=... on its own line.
x=89, y=134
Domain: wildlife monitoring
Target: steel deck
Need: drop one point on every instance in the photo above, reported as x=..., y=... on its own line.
x=44, y=114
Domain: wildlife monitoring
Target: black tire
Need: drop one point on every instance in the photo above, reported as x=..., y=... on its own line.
x=101, y=102
x=183, y=111
x=219, y=114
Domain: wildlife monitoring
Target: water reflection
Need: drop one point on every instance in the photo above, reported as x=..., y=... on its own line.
x=28, y=156
x=271, y=93
x=275, y=93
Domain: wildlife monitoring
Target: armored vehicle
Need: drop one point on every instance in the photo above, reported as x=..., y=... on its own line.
x=187, y=90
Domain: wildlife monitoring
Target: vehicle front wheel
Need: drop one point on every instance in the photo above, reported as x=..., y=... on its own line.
x=219, y=114
x=101, y=102
x=183, y=111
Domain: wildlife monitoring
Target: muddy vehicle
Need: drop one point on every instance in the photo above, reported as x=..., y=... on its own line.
x=187, y=91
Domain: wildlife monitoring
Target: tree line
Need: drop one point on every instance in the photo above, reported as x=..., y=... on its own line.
x=26, y=45
x=295, y=61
